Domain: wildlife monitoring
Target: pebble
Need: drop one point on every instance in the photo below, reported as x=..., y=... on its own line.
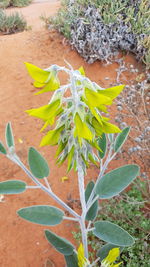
x=138, y=139
x=117, y=119
x=123, y=125
x=147, y=129
x=134, y=149
x=119, y=108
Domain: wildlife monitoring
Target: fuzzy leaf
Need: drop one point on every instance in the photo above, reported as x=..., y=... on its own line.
x=112, y=233
x=121, y=138
x=102, y=142
x=72, y=260
x=114, y=182
x=70, y=158
x=92, y=212
x=60, y=148
x=12, y=187
x=62, y=245
x=38, y=165
x=104, y=251
x=9, y=135
x=2, y=149
x=44, y=215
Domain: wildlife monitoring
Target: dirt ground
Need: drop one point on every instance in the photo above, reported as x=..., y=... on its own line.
x=23, y=244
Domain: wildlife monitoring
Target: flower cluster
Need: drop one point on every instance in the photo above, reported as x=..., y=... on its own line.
x=78, y=118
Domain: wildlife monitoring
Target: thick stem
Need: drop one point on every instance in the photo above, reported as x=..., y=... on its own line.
x=83, y=205
x=84, y=237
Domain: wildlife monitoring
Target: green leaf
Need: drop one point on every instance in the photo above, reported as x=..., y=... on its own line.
x=92, y=212
x=9, y=135
x=72, y=260
x=62, y=245
x=102, y=143
x=114, y=182
x=104, y=251
x=112, y=233
x=12, y=187
x=121, y=138
x=37, y=163
x=2, y=149
x=44, y=215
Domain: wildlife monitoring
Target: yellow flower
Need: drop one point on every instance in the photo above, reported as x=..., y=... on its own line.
x=82, y=261
x=81, y=129
x=44, y=79
x=111, y=258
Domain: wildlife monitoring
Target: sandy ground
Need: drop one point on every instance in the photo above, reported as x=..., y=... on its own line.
x=21, y=243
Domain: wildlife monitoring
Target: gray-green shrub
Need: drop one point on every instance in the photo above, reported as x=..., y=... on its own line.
x=99, y=28
x=11, y=23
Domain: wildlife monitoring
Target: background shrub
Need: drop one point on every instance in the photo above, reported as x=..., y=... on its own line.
x=99, y=28
x=11, y=23
x=20, y=3
x=4, y=3
x=17, y=3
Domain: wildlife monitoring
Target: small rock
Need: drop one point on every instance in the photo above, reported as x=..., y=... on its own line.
x=119, y=108
x=138, y=139
x=123, y=125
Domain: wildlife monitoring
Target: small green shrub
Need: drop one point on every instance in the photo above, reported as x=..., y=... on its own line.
x=4, y=3
x=16, y=3
x=11, y=23
x=20, y=3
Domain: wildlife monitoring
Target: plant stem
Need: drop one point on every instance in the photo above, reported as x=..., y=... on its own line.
x=102, y=171
x=47, y=183
x=93, y=264
x=32, y=187
x=84, y=237
x=16, y=159
x=70, y=218
x=83, y=205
